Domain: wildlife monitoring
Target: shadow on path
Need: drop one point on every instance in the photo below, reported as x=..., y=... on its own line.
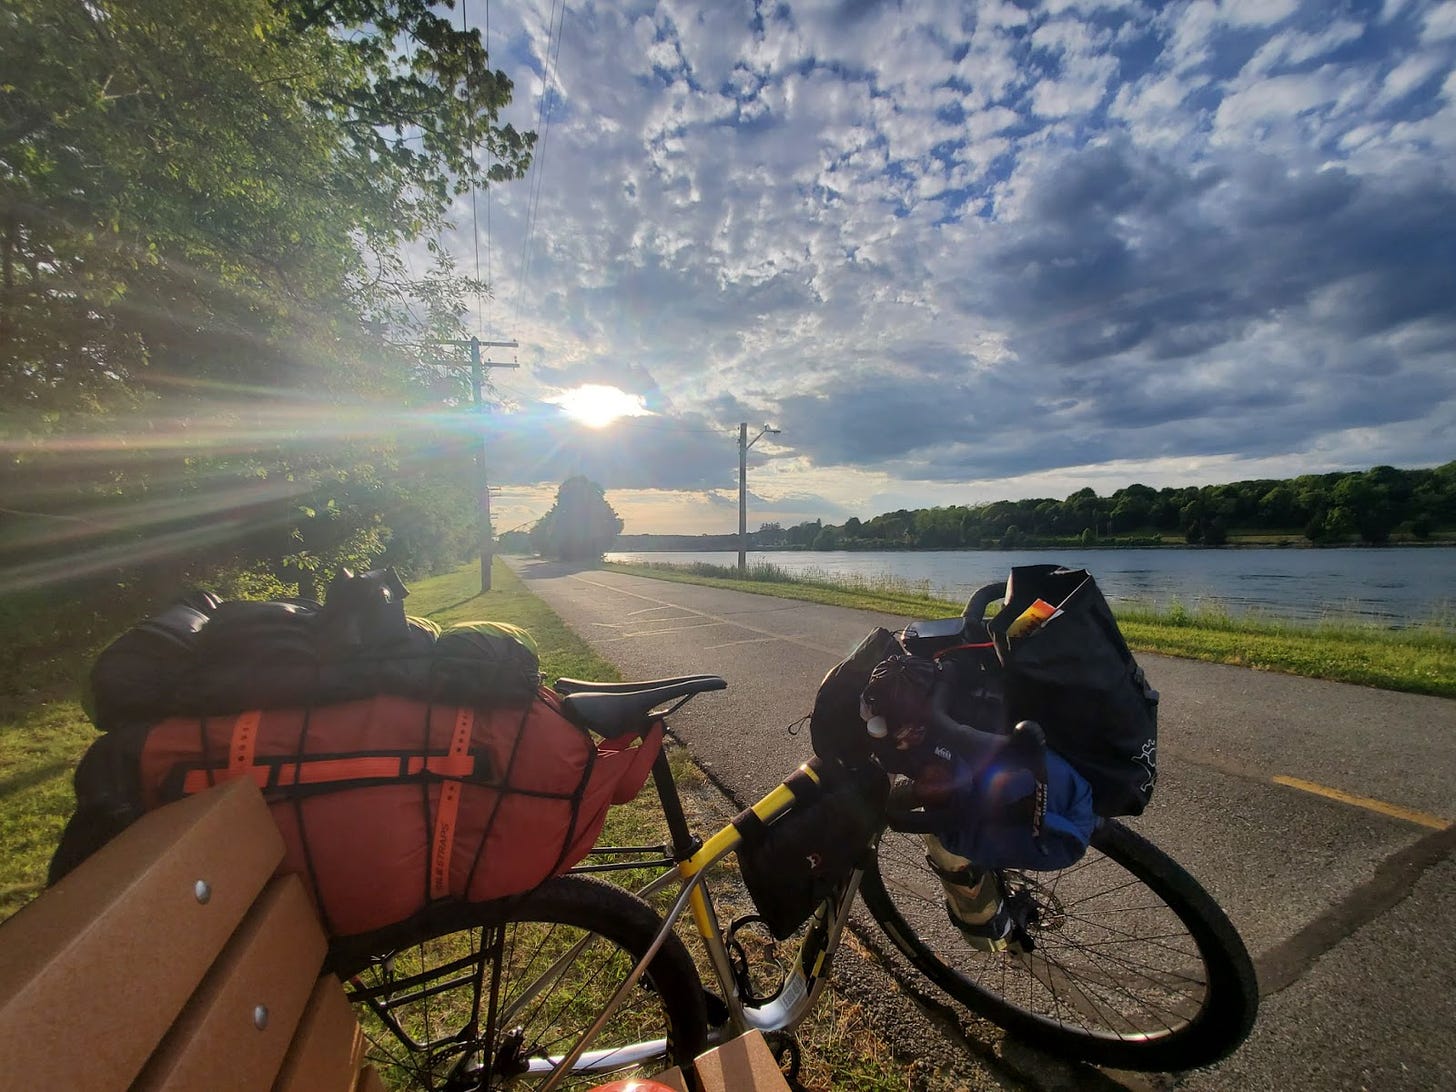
x=540, y=569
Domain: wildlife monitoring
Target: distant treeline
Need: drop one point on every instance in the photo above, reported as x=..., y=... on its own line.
x=1375, y=506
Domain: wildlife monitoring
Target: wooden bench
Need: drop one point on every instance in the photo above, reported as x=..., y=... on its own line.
x=175, y=958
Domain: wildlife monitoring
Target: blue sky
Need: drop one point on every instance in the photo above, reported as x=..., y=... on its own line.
x=959, y=252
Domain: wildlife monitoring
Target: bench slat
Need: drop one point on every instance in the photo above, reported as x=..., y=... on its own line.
x=328, y=1047
x=272, y=961
x=119, y=945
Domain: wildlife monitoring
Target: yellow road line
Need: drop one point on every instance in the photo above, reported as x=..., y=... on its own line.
x=1395, y=811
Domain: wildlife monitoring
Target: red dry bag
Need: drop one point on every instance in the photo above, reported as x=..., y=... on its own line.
x=389, y=804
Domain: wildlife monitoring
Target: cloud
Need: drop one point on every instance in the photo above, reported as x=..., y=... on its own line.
x=956, y=245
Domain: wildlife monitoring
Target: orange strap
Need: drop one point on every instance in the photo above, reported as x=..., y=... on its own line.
x=444, y=839
x=317, y=771
x=245, y=739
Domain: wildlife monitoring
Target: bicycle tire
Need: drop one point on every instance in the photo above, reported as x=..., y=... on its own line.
x=1089, y=950
x=463, y=953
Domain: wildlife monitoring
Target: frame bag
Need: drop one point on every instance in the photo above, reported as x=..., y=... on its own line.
x=804, y=855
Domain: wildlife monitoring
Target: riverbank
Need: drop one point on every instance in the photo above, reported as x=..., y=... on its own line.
x=1420, y=660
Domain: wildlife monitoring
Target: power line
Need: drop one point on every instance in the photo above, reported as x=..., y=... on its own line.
x=543, y=126
x=470, y=134
x=489, y=162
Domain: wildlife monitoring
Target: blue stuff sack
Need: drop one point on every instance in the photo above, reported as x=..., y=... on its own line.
x=996, y=802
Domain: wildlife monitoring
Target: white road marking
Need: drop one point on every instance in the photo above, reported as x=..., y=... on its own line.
x=750, y=641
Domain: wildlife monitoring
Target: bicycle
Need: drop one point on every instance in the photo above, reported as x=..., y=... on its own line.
x=1123, y=961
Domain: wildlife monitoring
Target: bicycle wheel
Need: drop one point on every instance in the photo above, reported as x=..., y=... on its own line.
x=1132, y=965
x=493, y=995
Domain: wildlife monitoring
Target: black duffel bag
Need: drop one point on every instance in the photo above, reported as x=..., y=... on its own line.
x=1072, y=672
x=203, y=657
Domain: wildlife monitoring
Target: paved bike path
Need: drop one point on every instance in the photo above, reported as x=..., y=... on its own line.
x=1316, y=813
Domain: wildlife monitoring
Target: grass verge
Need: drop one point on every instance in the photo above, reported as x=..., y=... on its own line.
x=1420, y=661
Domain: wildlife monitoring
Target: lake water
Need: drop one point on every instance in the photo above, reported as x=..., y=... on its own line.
x=1392, y=587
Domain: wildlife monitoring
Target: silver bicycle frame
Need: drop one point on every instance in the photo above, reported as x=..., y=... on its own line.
x=795, y=999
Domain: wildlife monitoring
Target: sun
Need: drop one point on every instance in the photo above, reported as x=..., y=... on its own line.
x=597, y=405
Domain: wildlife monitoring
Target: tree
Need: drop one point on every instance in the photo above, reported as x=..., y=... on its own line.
x=1365, y=500
x=971, y=529
x=580, y=526
x=1129, y=513
x=828, y=538
x=769, y=534
x=1339, y=522
x=803, y=534
x=214, y=198
x=221, y=189
x=1277, y=507
x=1192, y=518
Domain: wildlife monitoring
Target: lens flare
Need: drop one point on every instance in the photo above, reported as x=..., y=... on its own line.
x=596, y=405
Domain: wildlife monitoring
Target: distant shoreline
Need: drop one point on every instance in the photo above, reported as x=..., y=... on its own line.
x=1289, y=545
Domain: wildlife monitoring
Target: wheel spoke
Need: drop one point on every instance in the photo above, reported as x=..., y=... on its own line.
x=1119, y=970
x=541, y=969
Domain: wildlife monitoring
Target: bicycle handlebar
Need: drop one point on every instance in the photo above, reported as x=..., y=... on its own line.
x=951, y=739
x=981, y=599
x=975, y=745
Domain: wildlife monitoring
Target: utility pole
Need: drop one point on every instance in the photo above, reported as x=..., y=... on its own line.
x=477, y=381
x=744, y=443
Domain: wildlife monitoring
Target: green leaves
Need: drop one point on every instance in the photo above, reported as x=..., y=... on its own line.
x=203, y=209
x=210, y=189
x=580, y=526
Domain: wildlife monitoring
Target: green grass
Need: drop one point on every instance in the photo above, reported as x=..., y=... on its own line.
x=1420, y=660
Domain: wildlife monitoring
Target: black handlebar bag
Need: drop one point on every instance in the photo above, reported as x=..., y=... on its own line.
x=1074, y=674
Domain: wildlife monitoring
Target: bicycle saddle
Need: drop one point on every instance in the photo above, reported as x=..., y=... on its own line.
x=610, y=708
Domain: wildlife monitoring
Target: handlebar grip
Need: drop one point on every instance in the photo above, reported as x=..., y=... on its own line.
x=1029, y=734
x=975, y=612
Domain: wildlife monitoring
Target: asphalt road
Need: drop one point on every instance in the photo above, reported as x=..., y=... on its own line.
x=1318, y=814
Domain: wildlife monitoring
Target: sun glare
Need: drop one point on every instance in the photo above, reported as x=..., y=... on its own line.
x=596, y=405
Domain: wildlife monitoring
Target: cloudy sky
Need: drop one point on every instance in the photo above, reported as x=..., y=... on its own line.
x=960, y=252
